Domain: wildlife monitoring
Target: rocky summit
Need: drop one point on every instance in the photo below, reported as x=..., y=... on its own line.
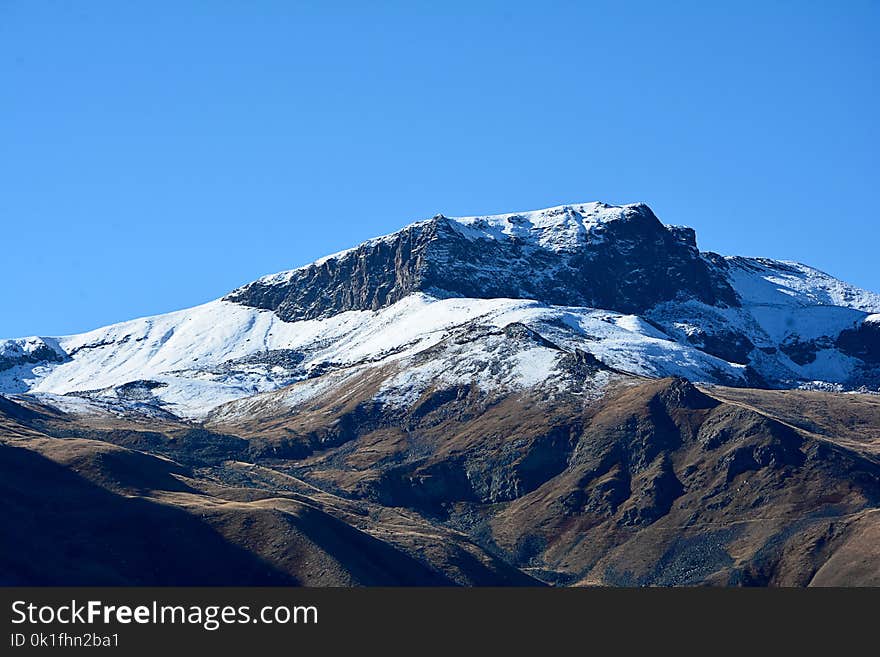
x=569, y=396
x=594, y=255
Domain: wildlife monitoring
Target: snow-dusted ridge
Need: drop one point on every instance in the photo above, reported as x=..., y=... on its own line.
x=763, y=281
x=560, y=228
x=784, y=332
x=199, y=357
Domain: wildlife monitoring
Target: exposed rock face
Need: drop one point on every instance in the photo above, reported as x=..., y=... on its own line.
x=862, y=342
x=729, y=345
x=629, y=264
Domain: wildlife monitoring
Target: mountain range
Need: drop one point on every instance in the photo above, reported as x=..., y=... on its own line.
x=575, y=395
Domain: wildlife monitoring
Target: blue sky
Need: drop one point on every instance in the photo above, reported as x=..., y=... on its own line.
x=156, y=155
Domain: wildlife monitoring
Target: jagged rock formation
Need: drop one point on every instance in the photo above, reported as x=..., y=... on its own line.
x=591, y=255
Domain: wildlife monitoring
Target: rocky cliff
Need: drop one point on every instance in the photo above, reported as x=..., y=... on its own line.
x=621, y=259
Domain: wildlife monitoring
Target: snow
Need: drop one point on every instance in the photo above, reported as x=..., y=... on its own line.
x=72, y=404
x=830, y=365
x=637, y=324
x=806, y=322
x=24, y=347
x=779, y=299
x=560, y=228
x=194, y=353
x=761, y=281
x=492, y=364
x=644, y=353
x=531, y=367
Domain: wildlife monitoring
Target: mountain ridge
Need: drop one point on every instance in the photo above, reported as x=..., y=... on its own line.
x=612, y=282
x=572, y=255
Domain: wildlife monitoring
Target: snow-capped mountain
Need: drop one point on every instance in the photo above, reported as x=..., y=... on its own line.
x=563, y=298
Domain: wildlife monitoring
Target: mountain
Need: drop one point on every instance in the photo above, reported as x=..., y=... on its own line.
x=611, y=282
x=575, y=395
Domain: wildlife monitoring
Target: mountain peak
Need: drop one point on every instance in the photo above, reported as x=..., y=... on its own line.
x=556, y=228
x=589, y=254
x=601, y=290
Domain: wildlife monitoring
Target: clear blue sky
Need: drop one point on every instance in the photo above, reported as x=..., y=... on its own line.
x=155, y=155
